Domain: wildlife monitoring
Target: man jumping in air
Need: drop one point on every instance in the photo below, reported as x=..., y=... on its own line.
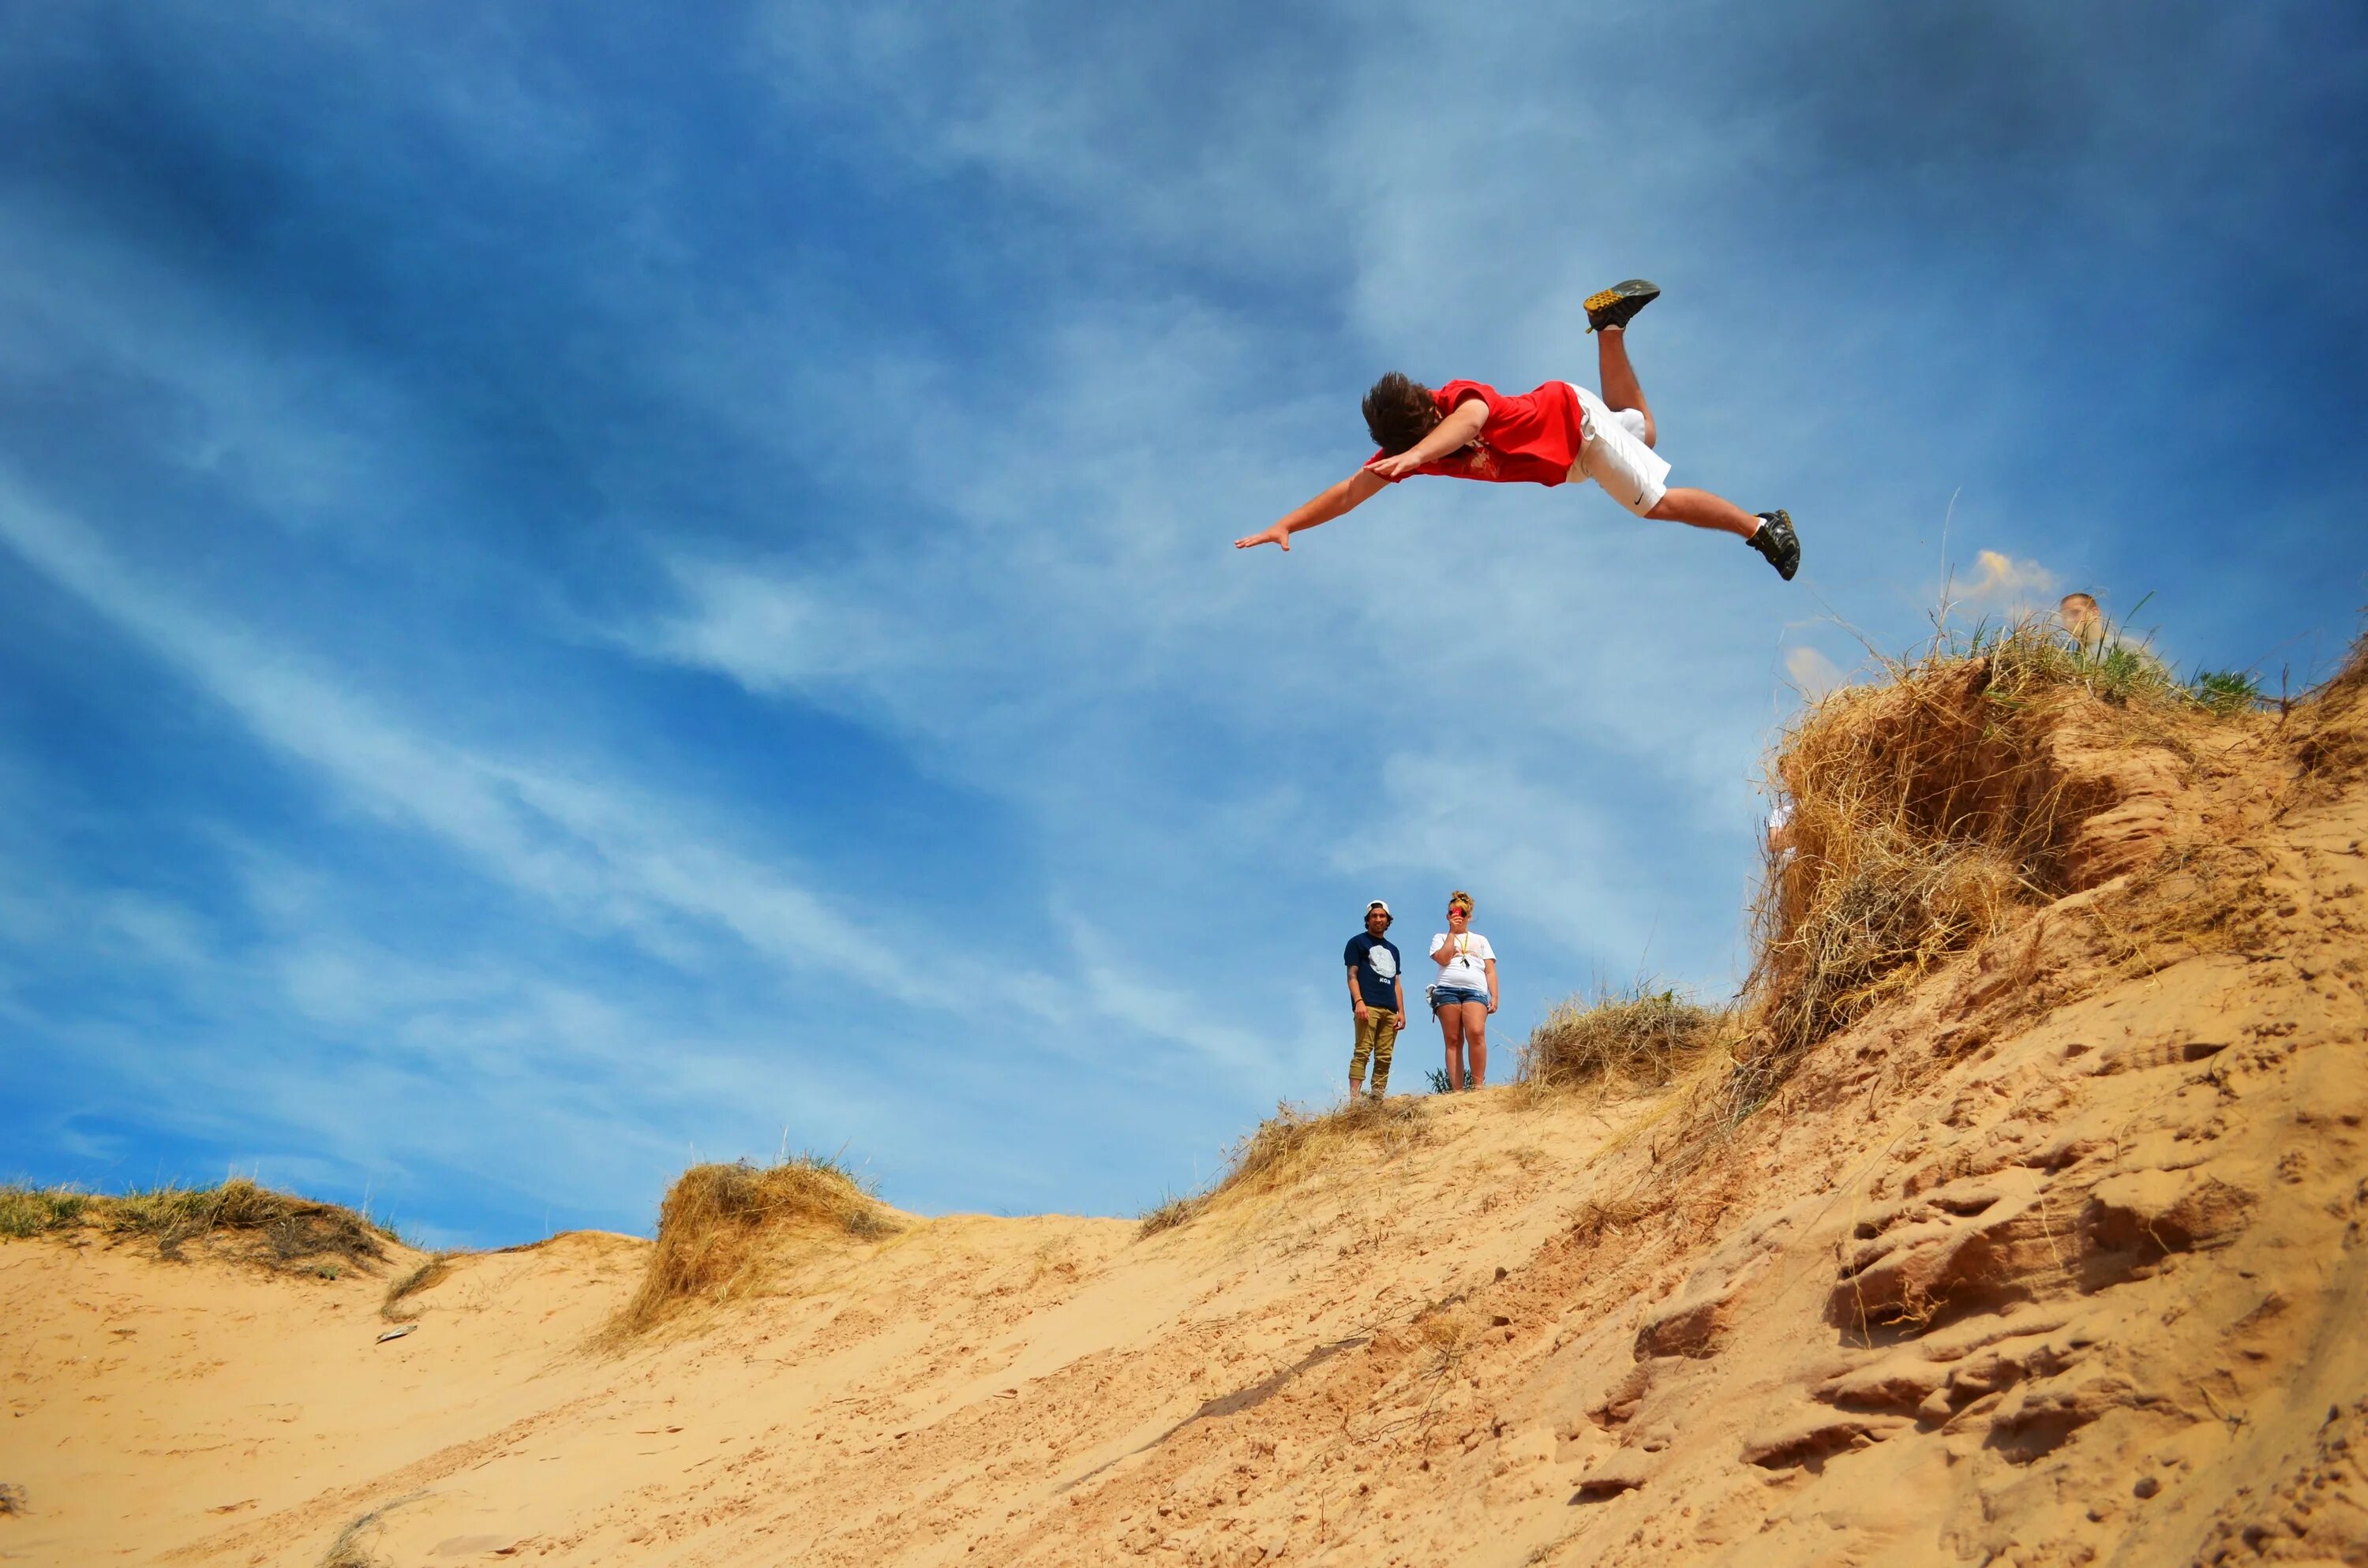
x=1557, y=434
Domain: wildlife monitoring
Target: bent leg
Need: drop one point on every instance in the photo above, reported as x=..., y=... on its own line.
x=1700, y=509
x=1475, y=1038
x=1621, y=388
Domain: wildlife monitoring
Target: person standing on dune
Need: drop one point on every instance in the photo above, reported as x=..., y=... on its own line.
x=1377, y=998
x=1559, y=434
x=1464, y=994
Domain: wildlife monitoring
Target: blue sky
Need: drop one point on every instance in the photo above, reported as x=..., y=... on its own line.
x=582, y=591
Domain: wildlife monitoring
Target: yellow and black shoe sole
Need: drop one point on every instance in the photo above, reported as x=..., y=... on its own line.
x=1779, y=542
x=1617, y=305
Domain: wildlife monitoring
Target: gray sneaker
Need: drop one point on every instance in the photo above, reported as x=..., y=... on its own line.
x=1778, y=542
x=1617, y=305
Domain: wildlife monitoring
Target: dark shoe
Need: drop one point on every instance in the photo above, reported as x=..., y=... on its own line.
x=1778, y=542
x=1615, y=305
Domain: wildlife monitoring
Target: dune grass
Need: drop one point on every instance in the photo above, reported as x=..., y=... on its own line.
x=717, y=1221
x=275, y=1228
x=1920, y=809
x=426, y=1277
x=1639, y=1037
x=1293, y=1143
x=2224, y=692
x=1169, y=1212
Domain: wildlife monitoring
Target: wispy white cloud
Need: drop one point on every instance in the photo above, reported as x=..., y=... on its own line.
x=769, y=631
x=597, y=853
x=1812, y=674
x=2011, y=587
x=601, y=854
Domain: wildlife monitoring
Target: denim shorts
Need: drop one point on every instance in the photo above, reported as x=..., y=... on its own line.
x=1454, y=995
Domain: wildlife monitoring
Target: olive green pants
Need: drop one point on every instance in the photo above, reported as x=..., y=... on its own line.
x=1377, y=1036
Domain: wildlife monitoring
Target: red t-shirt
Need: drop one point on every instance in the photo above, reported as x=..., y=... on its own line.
x=1533, y=438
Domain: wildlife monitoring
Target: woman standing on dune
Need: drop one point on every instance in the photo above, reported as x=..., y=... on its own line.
x=1464, y=994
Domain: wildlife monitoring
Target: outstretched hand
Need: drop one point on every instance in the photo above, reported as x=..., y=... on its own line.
x=1275, y=535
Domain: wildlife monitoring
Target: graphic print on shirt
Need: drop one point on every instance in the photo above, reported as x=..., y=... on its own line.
x=1373, y=961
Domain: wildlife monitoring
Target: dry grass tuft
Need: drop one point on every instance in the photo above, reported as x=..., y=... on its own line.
x=426, y=1277
x=717, y=1220
x=1599, y=1218
x=2329, y=747
x=1294, y=1141
x=1639, y=1038
x=1169, y=1213
x=273, y=1227
x=1922, y=810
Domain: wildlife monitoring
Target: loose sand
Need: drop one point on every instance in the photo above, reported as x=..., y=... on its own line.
x=2057, y=1259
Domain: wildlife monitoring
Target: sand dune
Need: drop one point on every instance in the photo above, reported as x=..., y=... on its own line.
x=2056, y=1257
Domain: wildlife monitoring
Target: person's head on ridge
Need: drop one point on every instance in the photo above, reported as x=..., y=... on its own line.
x=1399, y=412
x=2082, y=619
x=1459, y=902
x=1377, y=911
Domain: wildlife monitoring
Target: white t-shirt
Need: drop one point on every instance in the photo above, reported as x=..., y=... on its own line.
x=1468, y=966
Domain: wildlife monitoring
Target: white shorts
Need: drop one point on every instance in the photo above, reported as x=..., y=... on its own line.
x=1615, y=455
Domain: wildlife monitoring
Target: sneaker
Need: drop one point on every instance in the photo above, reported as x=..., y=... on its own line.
x=1617, y=304
x=1778, y=542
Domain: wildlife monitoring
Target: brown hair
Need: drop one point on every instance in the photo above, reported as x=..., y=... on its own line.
x=1399, y=412
x=2082, y=619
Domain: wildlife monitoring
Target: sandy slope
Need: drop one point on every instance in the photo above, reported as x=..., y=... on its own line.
x=2059, y=1260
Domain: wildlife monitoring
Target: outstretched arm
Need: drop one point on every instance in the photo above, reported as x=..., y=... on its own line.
x=1344, y=498
x=1450, y=434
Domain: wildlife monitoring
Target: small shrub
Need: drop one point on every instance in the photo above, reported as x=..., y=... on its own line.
x=715, y=1222
x=2226, y=691
x=1439, y=1084
x=2122, y=674
x=1639, y=1037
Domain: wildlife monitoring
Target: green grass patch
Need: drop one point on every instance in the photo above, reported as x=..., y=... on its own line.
x=2225, y=691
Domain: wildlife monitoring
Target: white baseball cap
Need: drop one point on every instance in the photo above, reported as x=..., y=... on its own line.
x=1377, y=903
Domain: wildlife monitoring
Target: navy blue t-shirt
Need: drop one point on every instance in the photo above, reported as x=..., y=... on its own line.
x=1375, y=959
